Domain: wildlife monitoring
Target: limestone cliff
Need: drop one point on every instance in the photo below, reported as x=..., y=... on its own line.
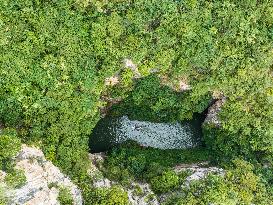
x=43, y=181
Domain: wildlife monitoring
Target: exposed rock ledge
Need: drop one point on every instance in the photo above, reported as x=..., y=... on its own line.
x=198, y=171
x=43, y=180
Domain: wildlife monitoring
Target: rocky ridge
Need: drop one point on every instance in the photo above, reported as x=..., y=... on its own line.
x=43, y=180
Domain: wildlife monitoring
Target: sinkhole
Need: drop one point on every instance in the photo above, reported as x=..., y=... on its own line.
x=111, y=131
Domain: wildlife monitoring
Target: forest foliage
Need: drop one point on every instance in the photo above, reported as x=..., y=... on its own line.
x=240, y=185
x=56, y=54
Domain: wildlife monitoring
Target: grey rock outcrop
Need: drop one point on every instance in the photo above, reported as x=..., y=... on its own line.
x=178, y=85
x=198, y=171
x=213, y=113
x=43, y=180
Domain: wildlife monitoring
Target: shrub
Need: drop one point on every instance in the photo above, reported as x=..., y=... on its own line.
x=239, y=186
x=146, y=163
x=138, y=190
x=3, y=198
x=117, y=196
x=9, y=146
x=166, y=182
x=65, y=197
x=137, y=164
x=154, y=169
x=149, y=197
x=151, y=101
x=16, y=178
x=112, y=196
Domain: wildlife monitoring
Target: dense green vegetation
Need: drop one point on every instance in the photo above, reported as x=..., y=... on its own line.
x=104, y=196
x=151, y=101
x=133, y=161
x=240, y=185
x=130, y=162
x=3, y=198
x=56, y=54
x=243, y=182
x=15, y=179
x=167, y=181
x=9, y=147
x=65, y=197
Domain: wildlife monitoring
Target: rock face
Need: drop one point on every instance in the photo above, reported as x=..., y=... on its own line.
x=212, y=116
x=111, y=81
x=128, y=63
x=178, y=85
x=198, y=171
x=43, y=180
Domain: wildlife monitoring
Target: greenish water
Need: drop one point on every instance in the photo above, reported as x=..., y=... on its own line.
x=111, y=131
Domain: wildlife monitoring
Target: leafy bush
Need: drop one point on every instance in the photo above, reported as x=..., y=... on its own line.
x=138, y=190
x=3, y=198
x=137, y=164
x=152, y=101
x=9, y=146
x=149, y=197
x=16, y=178
x=146, y=163
x=49, y=85
x=153, y=170
x=65, y=197
x=112, y=196
x=168, y=181
x=239, y=186
x=117, y=196
x=56, y=55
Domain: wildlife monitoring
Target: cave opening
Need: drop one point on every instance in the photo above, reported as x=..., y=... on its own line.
x=113, y=130
x=135, y=119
